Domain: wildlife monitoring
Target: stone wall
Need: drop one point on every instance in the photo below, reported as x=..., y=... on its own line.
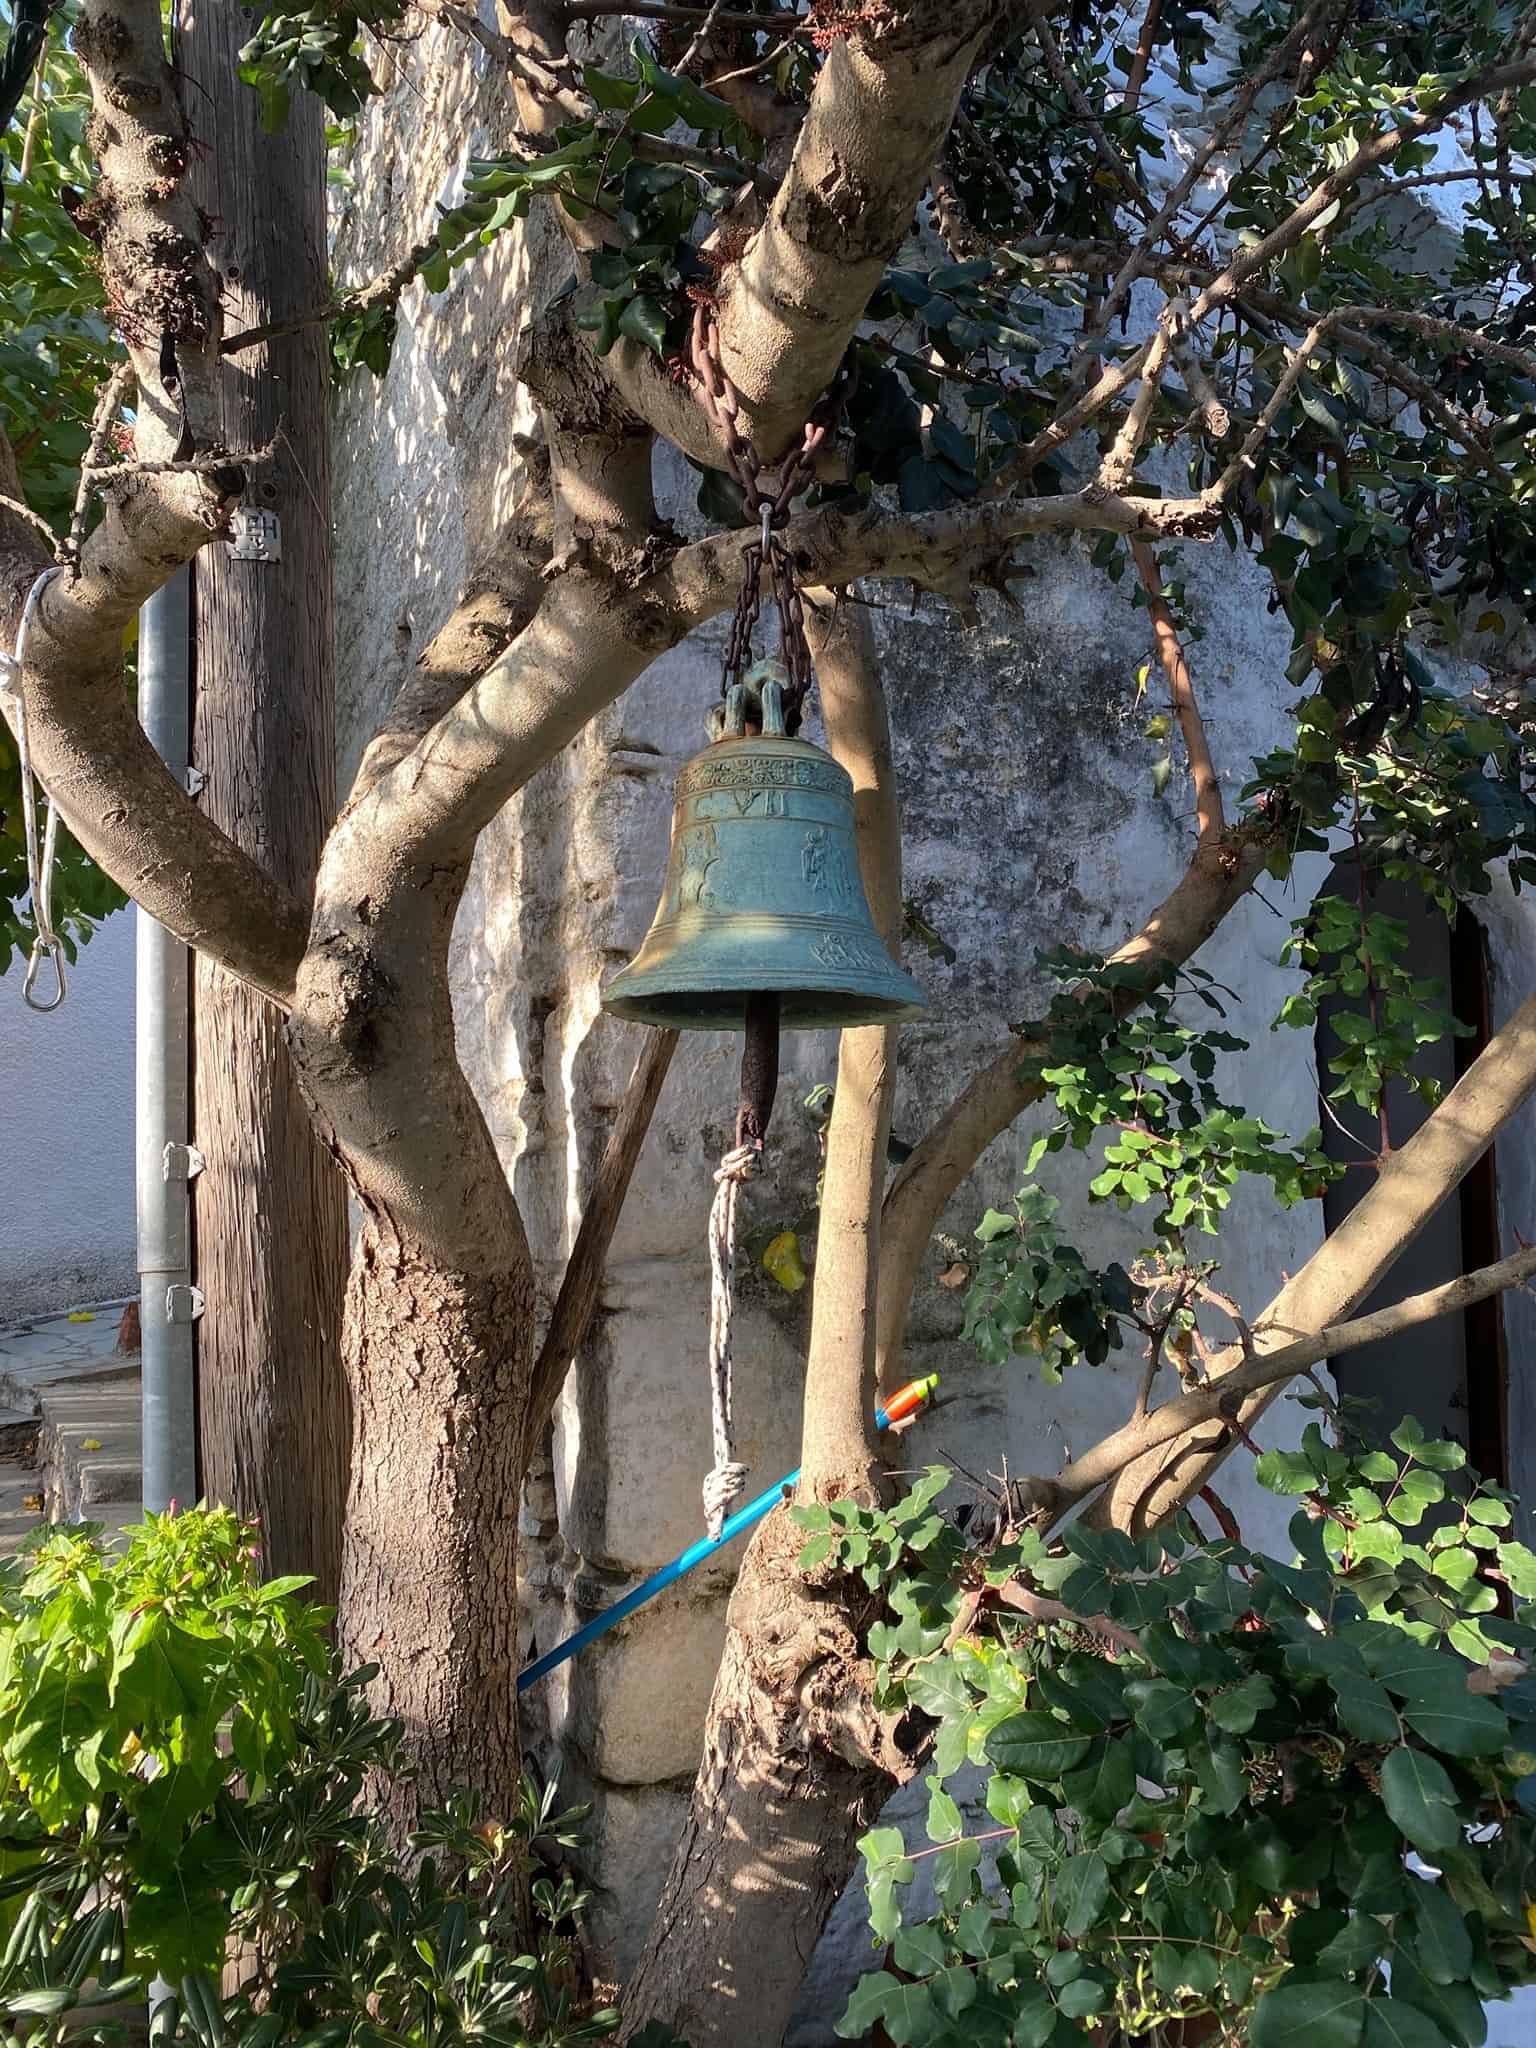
x=1030, y=820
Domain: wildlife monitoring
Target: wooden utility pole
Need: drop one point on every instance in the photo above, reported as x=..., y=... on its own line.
x=270, y=1209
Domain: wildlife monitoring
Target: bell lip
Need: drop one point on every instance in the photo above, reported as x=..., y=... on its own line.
x=654, y=1010
x=901, y=1001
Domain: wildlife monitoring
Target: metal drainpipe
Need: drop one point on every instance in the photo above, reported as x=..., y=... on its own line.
x=168, y=1302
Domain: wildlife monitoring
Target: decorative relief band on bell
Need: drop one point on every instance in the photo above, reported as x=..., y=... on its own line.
x=760, y=770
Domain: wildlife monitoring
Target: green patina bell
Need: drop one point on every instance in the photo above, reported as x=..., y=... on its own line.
x=763, y=896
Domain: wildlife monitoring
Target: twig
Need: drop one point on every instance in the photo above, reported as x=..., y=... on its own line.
x=1022, y=1601
x=1221, y=1399
x=1218, y=140
x=1141, y=61
x=1082, y=106
x=34, y=519
x=213, y=464
x=699, y=38
x=665, y=10
x=1213, y=412
x=576, y=1303
x=108, y=405
x=1170, y=652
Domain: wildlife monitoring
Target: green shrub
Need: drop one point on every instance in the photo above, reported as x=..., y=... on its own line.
x=1220, y=1785
x=182, y=1773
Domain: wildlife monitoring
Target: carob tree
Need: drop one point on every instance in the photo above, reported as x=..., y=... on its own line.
x=1357, y=417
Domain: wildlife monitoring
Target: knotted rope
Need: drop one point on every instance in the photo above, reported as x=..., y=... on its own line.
x=727, y=1481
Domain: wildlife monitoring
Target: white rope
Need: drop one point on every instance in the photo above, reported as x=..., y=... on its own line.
x=727, y=1481
x=46, y=944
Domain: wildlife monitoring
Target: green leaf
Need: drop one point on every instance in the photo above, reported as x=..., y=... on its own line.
x=1364, y=1707
x=1314, y=2013
x=1457, y=1721
x=938, y=1689
x=1036, y=1746
x=644, y=320
x=1389, y=2023
x=1082, y=1892
x=944, y=1821
x=953, y=1869
x=1421, y=1799
x=1455, y=2008
x=1237, y=1710
x=1442, y=1945
x=1106, y=1782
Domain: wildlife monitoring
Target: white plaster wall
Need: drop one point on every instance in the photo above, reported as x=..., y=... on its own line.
x=66, y=1134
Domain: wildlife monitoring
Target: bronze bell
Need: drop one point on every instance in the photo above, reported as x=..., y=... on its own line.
x=763, y=896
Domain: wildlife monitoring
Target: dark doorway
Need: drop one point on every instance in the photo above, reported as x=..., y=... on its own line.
x=1450, y=1373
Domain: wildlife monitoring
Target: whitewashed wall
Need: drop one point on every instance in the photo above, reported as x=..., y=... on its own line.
x=66, y=1135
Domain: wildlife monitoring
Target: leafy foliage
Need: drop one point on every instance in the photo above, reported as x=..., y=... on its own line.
x=1149, y=1079
x=180, y=1768
x=1206, y=1768
x=315, y=48
x=1350, y=951
x=1029, y=1291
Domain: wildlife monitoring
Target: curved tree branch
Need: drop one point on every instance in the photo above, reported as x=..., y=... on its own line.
x=880, y=110
x=91, y=754
x=1410, y=1186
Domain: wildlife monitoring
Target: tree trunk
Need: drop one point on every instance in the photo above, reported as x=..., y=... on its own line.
x=785, y=1789
x=438, y=1363
x=270, y=1211
x=438, y=1338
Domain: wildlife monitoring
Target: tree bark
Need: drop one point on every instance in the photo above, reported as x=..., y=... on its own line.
x=438, y=1363
x=785, y=1789
x=439, y=1327
x=270, y=1210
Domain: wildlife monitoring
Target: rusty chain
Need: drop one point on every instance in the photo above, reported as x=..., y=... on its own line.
x=768, y=506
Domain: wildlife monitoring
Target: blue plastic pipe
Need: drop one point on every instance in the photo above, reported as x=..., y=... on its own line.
x=901, y=1405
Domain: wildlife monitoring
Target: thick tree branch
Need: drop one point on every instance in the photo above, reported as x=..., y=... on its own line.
x=160, y=286
x=838, y=1454
x=499, y=600
x=881, y=107
x=1181, y=691
x=91, y=755
x=1223, y=1400
x=88, y=749
x=1410, y=1186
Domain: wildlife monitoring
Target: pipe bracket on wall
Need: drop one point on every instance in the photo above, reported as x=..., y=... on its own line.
x=182, y=1162
x=183, y=1303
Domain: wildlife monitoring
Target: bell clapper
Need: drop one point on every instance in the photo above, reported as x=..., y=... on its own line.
x=759, y=1068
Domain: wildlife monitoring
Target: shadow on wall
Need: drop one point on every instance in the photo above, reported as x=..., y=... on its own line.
x=66, y=1110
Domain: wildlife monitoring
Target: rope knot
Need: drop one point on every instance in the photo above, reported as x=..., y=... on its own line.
x=722, y=1485
x=739, y=1164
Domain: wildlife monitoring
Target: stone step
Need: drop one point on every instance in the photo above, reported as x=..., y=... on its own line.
x=90, y=1447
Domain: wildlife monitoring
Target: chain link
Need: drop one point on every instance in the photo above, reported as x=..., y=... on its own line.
x=768, y=505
